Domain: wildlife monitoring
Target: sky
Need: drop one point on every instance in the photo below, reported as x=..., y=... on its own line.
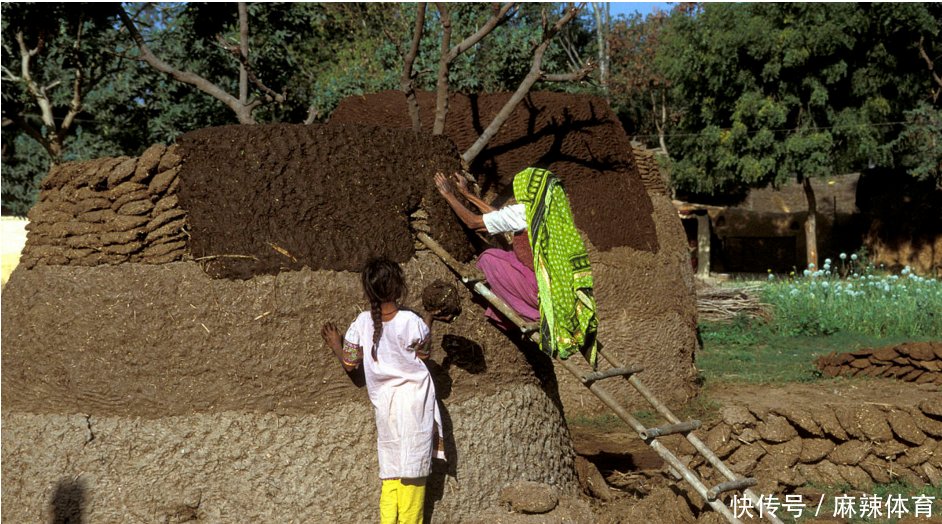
x=625, y=8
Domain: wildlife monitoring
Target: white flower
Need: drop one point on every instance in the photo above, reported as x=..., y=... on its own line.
x=827, y=261
x=843, y=256
x=771, y=276
x=854, y=256
x=807, y=273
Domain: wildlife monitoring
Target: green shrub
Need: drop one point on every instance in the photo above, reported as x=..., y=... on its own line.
x=850, y=296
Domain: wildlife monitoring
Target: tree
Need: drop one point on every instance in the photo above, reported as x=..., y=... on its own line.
x=241, y=105
x=65, y=92
x=776, y=91
x=638, y=86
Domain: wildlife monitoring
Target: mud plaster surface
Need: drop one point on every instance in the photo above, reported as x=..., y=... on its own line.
x=576, y=137
x=265, y=467
x=261, y=199
x=155, y=341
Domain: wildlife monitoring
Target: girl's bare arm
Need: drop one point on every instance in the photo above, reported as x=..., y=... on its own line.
x=334, y=341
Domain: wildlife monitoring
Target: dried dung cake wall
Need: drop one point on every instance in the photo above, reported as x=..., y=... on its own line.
x=832, y=444
x=108, y=211
x=157, y=391
x=644, y=282
x=919, y=362
x=263, y=199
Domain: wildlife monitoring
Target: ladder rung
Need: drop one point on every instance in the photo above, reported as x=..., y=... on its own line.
x=730, y=485
x=670, y=429
x=608, y=373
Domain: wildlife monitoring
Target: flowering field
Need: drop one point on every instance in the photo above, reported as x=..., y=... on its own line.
x=851, y=296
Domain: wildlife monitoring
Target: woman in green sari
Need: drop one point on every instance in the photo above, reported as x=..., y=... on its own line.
x=560, y=264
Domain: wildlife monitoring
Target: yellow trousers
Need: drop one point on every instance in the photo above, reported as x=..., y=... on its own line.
x=402, y=501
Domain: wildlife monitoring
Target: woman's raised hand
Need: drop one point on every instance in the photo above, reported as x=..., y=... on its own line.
x=444, y=185
x=461, y=182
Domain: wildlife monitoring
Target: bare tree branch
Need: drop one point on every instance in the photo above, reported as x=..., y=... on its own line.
x=75, y=106
x=407, y=82
x=575, y=76
x=312, y=114
x=243, y=112
x=52, y=142
x=8, y=75
x=501, y=13
x=535, y=74
x=931, y=66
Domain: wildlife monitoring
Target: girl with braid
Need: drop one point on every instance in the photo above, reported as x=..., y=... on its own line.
x=391, y=343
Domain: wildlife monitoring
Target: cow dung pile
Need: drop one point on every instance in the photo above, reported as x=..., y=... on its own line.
x=109, y=211
x=919, y=362
x=644, y=284
x=786, y=447
x=312, y=196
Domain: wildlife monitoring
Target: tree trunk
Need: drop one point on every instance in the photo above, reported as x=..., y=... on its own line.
x=441, y=97
x=811, y=223
x=602, y=14
x=406, y=83
x=244, y=50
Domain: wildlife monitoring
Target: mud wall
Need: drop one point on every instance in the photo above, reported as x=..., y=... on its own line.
x=108, y=211
x=157, y=390
x=919, y=362
x=220, y=397
x=833, y=443
x=644, y=283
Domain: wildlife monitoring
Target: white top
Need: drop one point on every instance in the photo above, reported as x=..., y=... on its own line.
x=401, y=390
x=508, y=219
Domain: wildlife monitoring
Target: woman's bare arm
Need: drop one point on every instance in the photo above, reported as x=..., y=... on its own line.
x=446, y=188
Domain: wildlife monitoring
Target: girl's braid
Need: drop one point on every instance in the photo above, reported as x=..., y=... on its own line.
x=377, y=316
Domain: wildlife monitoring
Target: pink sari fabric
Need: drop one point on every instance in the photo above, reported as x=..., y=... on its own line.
x=512, y=281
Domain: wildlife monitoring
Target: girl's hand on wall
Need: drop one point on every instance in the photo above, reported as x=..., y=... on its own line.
x=331, y=336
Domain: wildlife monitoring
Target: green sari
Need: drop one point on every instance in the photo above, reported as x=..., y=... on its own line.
x=564, y=278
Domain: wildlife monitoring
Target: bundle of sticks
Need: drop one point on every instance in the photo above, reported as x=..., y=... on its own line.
x=726, y=303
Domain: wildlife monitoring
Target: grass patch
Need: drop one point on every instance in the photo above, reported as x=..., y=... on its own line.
x=753, y=351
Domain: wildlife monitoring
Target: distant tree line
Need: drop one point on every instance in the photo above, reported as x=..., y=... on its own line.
x=734, y=95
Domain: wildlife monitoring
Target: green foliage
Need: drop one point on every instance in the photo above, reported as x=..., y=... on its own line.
x=754, y=351
x=69, y=39
x=778, y=90
x=849, y=297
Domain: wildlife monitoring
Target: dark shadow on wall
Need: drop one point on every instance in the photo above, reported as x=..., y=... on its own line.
x=68, y=502
x=441, y=469
x=468, y=355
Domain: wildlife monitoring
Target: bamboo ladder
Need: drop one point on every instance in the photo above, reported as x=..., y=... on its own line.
x=471, y=277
